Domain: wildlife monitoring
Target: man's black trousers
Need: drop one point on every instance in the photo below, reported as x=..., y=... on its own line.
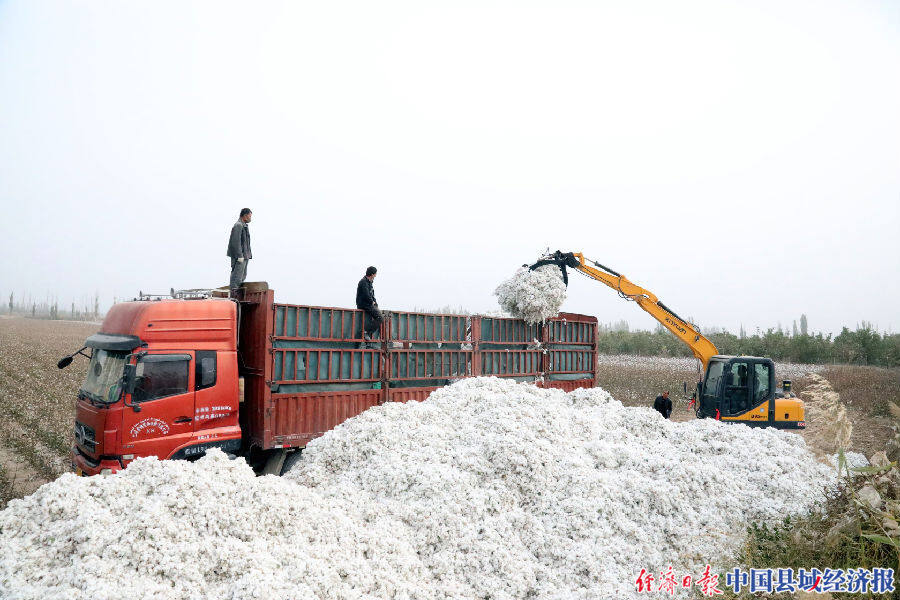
x=373, y=320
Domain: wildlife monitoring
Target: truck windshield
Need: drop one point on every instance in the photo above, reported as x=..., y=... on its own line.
x=104, y=373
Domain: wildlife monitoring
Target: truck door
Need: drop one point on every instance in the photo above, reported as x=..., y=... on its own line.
x=165, y=395
x=216, y=403
x=736, y=392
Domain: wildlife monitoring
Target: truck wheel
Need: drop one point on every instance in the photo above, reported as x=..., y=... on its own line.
x=292, y=459
x=274, y=462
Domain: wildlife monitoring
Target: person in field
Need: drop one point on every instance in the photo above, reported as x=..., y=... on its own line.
x=663, y=405
x=365, y=301
x=239, y=251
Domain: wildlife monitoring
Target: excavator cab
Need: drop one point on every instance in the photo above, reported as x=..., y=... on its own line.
x=742, y=389
x=735, y=385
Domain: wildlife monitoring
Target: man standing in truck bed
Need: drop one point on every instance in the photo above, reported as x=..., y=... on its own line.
x=365, y=301
x=239, y=251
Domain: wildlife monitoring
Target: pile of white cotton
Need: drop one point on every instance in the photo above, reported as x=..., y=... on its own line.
x=489, y=489
x=534, y=296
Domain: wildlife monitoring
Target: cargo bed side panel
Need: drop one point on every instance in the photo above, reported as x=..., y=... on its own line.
x=296, y=419
x=318, y=377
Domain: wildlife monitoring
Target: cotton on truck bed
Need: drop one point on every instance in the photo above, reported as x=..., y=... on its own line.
x=165, y=375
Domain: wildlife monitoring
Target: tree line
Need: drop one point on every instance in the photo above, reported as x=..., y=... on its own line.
x=863, y=346
x=26, y=305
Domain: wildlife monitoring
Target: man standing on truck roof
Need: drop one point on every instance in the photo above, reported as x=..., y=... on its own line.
x=663, y=405
x=239, y=251
x=365, y=301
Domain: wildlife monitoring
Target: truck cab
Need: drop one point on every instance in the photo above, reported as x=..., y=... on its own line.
x=162, y=380
x=742, y=389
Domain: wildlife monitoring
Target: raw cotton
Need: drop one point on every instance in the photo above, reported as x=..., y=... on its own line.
x=489, y=489
x=534, y=296
x=209, y=529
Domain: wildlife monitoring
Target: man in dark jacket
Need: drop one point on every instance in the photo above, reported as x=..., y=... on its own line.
x=663, y=405
x=365, y=301
x=239, y=250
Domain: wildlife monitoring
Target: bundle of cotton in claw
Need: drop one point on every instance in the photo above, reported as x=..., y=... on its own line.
x=489, y=489
x=533, y=295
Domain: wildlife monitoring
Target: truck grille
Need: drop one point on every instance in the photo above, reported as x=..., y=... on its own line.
x=84, y=437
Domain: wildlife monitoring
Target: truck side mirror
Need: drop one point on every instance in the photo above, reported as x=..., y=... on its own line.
x=130, y=378
x=65, y=361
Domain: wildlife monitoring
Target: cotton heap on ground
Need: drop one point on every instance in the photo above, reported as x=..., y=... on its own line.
x=489, y=489
x=534, y=296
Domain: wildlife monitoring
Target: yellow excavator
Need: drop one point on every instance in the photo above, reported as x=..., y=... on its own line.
x=738, y=389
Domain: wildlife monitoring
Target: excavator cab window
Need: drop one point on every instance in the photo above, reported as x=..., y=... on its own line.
x=764, y=379
x=709, y=399
x=736, y=397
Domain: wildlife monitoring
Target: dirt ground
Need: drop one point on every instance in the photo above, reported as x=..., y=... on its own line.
x=20, y=478
x=37, y=400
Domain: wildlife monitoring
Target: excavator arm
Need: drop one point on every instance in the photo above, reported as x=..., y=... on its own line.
x=702, y=348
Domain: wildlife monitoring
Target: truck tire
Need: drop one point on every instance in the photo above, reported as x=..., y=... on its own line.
x=274, y=462
x=292, y=459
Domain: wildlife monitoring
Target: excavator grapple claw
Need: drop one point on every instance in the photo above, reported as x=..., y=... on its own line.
x=561, y=260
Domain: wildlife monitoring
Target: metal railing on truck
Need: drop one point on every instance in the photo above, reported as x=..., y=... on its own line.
x=316, y=376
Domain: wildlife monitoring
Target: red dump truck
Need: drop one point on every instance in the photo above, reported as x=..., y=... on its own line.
x=174, y=377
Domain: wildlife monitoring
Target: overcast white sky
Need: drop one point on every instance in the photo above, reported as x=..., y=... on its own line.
x=739, y=159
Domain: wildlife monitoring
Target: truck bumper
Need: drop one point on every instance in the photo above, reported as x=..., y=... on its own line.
x=82, y=466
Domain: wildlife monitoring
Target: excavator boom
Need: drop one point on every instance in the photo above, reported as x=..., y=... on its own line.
x=701, y=347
